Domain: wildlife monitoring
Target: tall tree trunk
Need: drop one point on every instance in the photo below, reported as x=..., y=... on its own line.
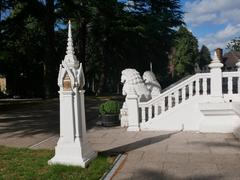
x=81, y=42
x=50, y=71
x=101, y=79
x=103, y=70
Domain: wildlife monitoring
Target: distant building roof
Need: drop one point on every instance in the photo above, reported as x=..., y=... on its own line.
x=231, y=58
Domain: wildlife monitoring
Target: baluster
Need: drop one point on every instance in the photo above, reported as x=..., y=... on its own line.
x=230, y=85
x=204, y=86
x=163, y=105
x=176, y=95
x=184, y=93
x=170, y=101
x=238, y=85
x=143, y=114
x=150, y=112
x=190, y=86
x=159, y=109
x=180, y=96
x=155, y=110
x=197, y=88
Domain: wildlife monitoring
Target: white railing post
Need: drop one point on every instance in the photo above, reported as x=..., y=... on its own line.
x=197, y=88
x=176, y=97
x=238, y=69
x=133, y=112
x=150, y=112
x=163, y=105
x=216, y=76
x=183, y=94
x=170, y=101
x=190, y=89
x=155, y=110
x=204, y=85
x=143, y=114
x=230, y=85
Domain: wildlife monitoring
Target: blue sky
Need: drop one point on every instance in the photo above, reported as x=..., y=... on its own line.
x=213, y=22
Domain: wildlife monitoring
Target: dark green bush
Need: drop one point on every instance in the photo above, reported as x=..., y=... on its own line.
x=109, y=107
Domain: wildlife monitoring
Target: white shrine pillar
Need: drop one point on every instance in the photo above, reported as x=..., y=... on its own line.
x=72, y=147
x=216, y=76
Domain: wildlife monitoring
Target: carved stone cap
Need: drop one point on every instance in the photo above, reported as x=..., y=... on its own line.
x=216, y=62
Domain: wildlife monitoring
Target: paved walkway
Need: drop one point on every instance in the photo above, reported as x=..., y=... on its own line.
x=150, y=155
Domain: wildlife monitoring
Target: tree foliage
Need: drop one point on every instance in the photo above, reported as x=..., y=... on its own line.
x=109, y=36
x=186, y=52
x=204, y=57
x=234, y=45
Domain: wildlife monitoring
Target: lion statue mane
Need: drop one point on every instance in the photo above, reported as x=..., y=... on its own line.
x=133, y=83
x=152, y=84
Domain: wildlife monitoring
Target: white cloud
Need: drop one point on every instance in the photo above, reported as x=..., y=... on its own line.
x=214, y=11
x=224, y=12
x=228, y=32
x=220, y=38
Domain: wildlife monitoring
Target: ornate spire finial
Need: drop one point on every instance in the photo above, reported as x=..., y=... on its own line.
x=70, y=49
x=215, y=57
x=70, y=59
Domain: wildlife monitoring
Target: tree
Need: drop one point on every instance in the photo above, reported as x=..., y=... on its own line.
x=107, y=36
x=204, y=57
x=186, y=52
x=50, y=72
x=43, y=13
x=28, y=37
x=234, y=45
x=140, y=35
x=116, y=38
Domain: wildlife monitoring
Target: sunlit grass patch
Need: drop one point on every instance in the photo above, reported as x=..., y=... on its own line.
x=22, y=163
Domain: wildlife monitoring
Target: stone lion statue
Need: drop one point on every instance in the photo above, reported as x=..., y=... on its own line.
x=152, y=84
x=133, y=83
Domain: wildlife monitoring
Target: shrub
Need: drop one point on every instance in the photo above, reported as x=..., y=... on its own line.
x=109, y=107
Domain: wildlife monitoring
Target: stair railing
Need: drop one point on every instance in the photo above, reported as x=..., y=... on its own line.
x=197, y=85
x=216, y=85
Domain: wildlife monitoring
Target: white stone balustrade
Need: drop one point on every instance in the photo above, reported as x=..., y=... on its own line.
x=206, y=102
x=173, y=95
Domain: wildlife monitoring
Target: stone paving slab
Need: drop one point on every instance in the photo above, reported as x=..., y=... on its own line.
x=150, y=155
x=156, y=156
x=201, y=160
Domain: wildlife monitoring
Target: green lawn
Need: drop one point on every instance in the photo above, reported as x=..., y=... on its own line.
x=20, y=163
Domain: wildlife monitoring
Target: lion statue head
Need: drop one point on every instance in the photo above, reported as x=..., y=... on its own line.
x=133, y=83
x=152, y=84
